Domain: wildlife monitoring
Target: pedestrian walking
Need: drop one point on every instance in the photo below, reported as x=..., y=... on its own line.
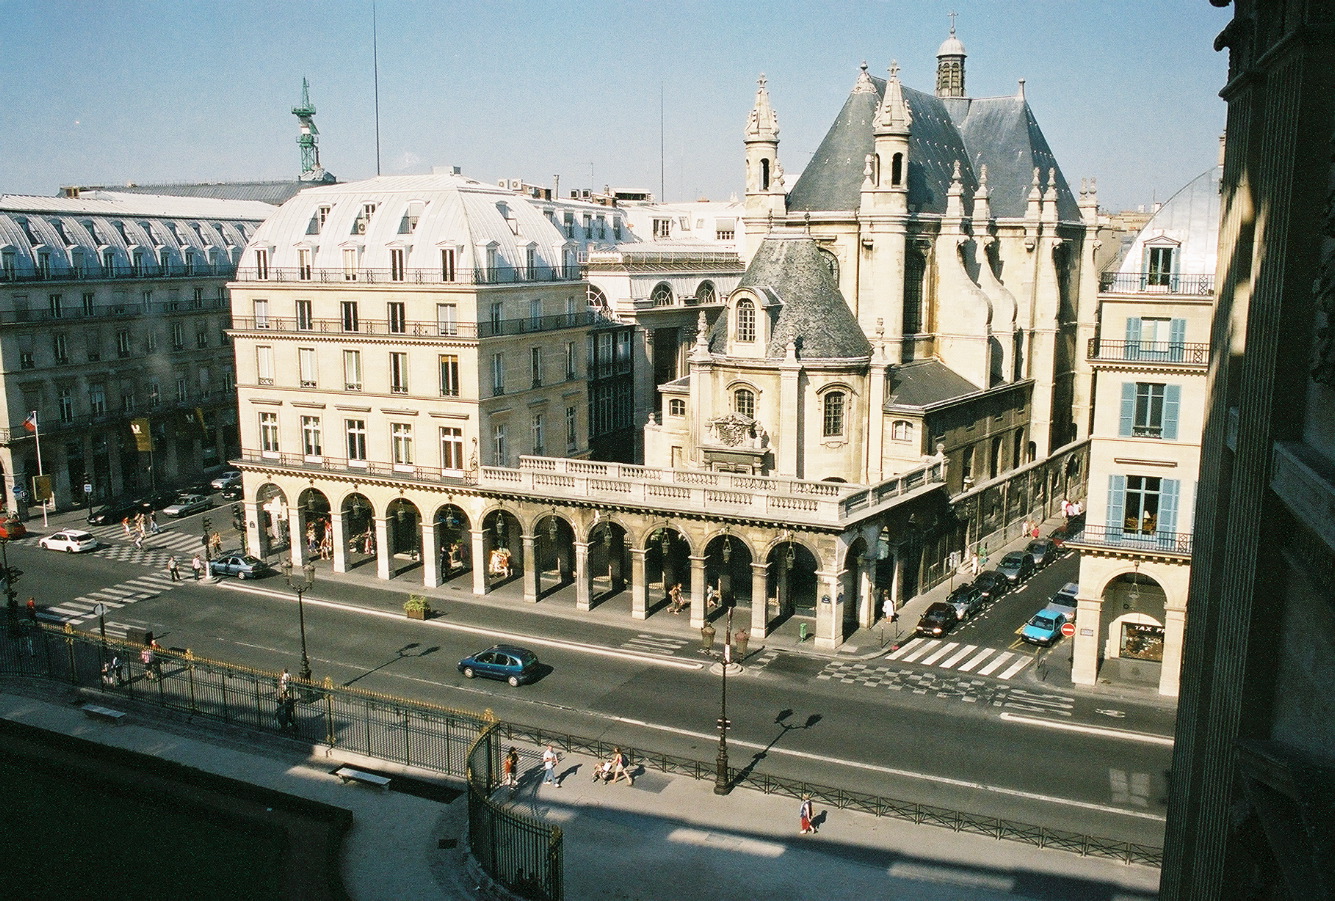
x=549, y=759
x=804, y=816
x=284, y=680
x=32, y=610
x=153, y=526
x=619, y=768
x=173, y=568
x=510, y=768
x=197, y=565
x=215, y=544
x=138, y=541
x=125, y=524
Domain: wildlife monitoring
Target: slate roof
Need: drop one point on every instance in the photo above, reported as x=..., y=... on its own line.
x=789, y=269
x=923, y=383
x=1000, y=132
x=272, y=192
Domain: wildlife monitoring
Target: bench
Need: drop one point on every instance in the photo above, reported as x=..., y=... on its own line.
x=349, y=774
x=102, y=713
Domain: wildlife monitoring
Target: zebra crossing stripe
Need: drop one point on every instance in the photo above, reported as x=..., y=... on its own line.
x=996, y=662
x=1015, y=668
x=939, y=653
x=967, y=650
x=95, y=598
x=904, y=649
x=925, y=648
x=986, y=652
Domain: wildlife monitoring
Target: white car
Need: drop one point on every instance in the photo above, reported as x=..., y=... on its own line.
x=187, y=504
x=227, y=479
x=71, y=541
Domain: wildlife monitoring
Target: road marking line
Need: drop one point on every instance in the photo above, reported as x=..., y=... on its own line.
x=986, y=652
x=925, y=648
x=474, y=630
x=968, y=649
x=1015, y=667
x=996, y=662
x=939, y=653
x=912, y=643
x=1144, y=737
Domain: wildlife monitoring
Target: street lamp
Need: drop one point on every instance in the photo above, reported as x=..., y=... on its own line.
x=301, y=586
x=722, y=784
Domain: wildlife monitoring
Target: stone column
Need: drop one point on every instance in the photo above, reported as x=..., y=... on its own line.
x=583, y=577
x=759, y=600
x=253, y=527
x=829, y=613
x=383, y=569
x=296, y=536
x=1087, y=641
x=639, y=588
x=617, y=565
x=430, y=555
x=478, y=542
x=532, y=575
x=699, y=593
x=866, y=592
x=1175, y=627
x=340, y=540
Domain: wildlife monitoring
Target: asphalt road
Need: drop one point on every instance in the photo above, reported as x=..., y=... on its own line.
x=1016, y=748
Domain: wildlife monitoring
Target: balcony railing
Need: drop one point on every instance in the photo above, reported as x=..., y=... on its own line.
x=1103, y=350
x=420, y=329
x=96, y=272
x=672, y=490
x=1201, y=285
x=497, y=275
x=111, y=311
x=1132, y=541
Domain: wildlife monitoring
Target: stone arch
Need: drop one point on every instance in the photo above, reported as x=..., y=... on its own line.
x=728, y=560
x=857, y=582
x=1134, y=617
x=272, y=518
x=403, y=534
x=792, y=577
x=554, y=552
x=358, y=527
x=453, y=540
x=608, y=561
x=706, y=292
x=661, y=295
x=502, y=544
x=315, y=524
x=668, y=556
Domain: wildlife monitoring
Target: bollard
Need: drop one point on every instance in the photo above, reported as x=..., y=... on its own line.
x=739, y=641
x=802, y=633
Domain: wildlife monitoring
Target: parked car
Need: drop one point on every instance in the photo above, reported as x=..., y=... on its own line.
x=1043, y=550
x=232, y=492
x=156, y=500
x=967, y=600
x=12, y=527
x=114, y=511
x=187, y=504
x=227, y=479
x=1061, y=535
x=938, y=619
x=505, y=662
x=1016, y=567
x=991, y=585
x=243, y=566
x=1045, y=626
x=1066, y=595
x=71, y=541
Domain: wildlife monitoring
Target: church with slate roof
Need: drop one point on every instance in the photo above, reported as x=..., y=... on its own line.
x=924, y=288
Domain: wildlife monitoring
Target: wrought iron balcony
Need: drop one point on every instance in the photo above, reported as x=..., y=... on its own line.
x=90, y=272
x=496, y=275
x=1132, y=541
x=126, y=310
x=495, y=328
x=1193, y=285
x=1102, y=350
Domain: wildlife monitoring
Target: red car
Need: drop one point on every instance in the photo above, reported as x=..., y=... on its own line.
x=12, y=528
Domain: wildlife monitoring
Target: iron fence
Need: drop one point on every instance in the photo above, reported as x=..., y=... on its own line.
x=522, y=853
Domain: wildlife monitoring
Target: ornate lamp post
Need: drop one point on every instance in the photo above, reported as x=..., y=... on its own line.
x=722, y=784
x=301, y=586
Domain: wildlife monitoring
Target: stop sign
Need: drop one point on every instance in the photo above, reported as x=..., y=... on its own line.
x=1068, y=629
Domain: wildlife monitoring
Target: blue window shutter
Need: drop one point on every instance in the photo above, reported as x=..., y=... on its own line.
x=1168, y=491
x=1116, y=505
x=1126, y=422
x=1172, y=402
x=1132, y=349
x=1177, y=337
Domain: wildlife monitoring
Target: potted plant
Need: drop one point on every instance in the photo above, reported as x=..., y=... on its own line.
x=417, y=607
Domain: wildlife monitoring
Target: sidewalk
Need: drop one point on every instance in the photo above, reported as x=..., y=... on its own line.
x=666, y=836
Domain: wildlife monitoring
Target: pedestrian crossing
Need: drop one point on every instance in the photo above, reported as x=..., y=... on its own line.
x=962, y=658
x=115, y=598
x=662, y=645
x=154, y=550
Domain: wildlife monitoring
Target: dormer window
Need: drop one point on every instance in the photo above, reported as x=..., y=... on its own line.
x=662, y=295
x=746, y=320
x=744, y=402
x=1161, y=264
x=59, y=226
x=408, y=224
x=363, y=221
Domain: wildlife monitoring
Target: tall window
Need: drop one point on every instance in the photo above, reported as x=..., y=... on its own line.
x=89, y=298
x=397, y=258
x=123, y=343
x=1142, y=505
x=311, y=445
x=304, y=321
x=447, y=318
x=350, y=318
x=1149, y=410
x=498, y=374
x=500, y=453
x=398, y=321
x=178, y=336
x=303, y=263
x=535, y=365
x=352, y=370
x=497, y=310
x=66, y=405
x=261, y=308
x=264, y=364
x=398, y=373
x=356, y=433
x=915, y=268
x=746, y=320
x=349, y=264
x=447, y=264
x=535, y=314
x=539, y=439
x=570, y=360
x=261, y=263
x=306, y=366
x=401, y=443
x=57, y=306
x=451, y=448
x=269, y=433
x=572, y=428
x=449, y=375
x=97, y=400
x=182, y=390
x=744, y=402
x=59, y=349
x=834, y=414
x=1159, y=265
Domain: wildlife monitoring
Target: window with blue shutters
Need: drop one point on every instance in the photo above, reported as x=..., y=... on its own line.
x=1149, y=338
x=1142, y=508
x=1149, y=410
x=1116, y=504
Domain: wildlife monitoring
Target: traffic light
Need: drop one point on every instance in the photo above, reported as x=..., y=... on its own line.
x=207, y=525
x=238, y=518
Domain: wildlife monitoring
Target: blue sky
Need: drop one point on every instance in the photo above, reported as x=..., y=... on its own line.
x=153, y=91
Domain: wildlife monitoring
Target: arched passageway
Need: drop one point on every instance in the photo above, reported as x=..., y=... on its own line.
x=271, y=510
x=453, y=541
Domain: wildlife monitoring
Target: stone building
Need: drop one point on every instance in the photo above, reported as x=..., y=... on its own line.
x=113, y=309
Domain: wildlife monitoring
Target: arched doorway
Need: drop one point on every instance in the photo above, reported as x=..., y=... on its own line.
x=271, y=508
x=728, y=577
x=792, y=579
x=316, y=525
x=1134, y=614
x=359, y=529
x=669, y=557
x=454, y=539
x=857, y=587
x=403, y=532
x=553, y=548
x=607, y=559
x=503, y=543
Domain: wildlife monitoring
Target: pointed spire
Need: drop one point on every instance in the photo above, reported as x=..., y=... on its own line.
x=1020, y=94
x=864, y=83
x=1035, y=205
x=982, y=198
x=1050, y=195
x=762, y=124
x=894, y=116
x=955, y=195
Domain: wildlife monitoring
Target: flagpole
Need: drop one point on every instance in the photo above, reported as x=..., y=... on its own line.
x=37, y=434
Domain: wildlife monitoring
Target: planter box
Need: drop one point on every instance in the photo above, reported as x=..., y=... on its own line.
x=418, y=614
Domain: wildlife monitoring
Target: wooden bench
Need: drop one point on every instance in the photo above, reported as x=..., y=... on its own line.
x=349, y=774
x=102, y=713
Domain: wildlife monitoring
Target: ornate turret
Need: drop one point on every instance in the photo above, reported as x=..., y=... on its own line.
x=765, y=194
x=950, y=65
x=888, y=168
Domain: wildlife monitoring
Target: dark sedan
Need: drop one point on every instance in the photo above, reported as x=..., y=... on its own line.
x=991, y=585
x=115, y=511
x=242, y=566
x=1043, y=550
x=938, y=619
x=1016, y=566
